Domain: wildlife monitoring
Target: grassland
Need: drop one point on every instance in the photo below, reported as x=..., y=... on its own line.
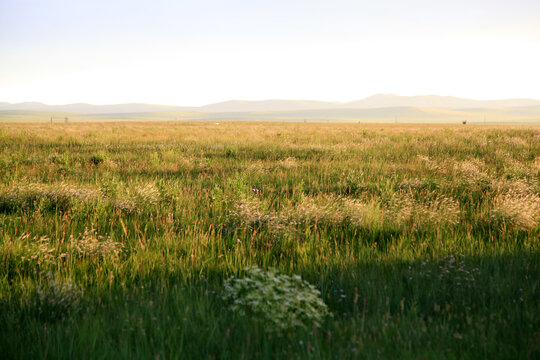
x=117, y=238
x=526, y=115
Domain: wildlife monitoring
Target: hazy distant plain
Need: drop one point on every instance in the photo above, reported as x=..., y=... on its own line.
x=378, y=108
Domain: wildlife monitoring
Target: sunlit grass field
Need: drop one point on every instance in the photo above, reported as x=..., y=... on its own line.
x=117, y=239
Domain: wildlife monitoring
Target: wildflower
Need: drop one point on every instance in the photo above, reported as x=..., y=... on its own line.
x=281, y=302
x=55, y=297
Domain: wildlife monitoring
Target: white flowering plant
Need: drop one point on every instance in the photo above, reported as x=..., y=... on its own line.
x=54, y=297
x=279, y=301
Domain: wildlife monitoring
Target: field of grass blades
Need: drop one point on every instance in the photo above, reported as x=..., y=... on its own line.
x=197, y=240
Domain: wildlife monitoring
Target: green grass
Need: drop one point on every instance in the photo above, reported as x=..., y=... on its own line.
x=423, y=240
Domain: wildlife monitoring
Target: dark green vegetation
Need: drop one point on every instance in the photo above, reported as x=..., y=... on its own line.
x=117, y=239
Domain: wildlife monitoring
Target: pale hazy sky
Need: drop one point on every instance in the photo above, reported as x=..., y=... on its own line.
x=203, y=51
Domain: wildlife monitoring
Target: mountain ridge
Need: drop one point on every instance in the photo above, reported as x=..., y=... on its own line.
x=371, y=102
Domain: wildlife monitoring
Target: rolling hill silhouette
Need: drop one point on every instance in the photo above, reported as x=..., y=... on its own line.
x=375, y=101
x=380, y=107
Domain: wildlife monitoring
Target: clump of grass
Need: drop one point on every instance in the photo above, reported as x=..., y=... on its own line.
x=125, y=206
x=93, y=245
x=323, y=211
x=97, y=158
x=403, y=212
x=433, y=211
x=332, y=211
x=416, y=184
x=310, y=210
x=517, y=186
x=58, y=159
x=516, y=210
x=137, y=198
x=231, y=153
x=471, y=172
x=43, y=252
x=288, y=163
x=431, y=164
x=54, y=297
x=255, y=214
x=279, y=301
x=250, y=211
x=45, y=196
x=40, y=250
x=146, y=195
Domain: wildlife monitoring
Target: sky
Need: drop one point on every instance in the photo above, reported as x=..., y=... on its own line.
x=198, y=52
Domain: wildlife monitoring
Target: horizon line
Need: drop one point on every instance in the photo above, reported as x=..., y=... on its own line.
x=264, y=100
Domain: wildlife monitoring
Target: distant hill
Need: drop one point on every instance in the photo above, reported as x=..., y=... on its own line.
x=91, y=109
x=435, y=101
x=269, y=105
x=237, y=106
x=377, y=108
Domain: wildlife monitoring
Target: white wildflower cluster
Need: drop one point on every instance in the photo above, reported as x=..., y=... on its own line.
x=517, y=210
x=279, y=301
x=54, y=297
x=451, y=274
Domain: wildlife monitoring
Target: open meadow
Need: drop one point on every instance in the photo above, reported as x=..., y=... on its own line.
x=120, y=240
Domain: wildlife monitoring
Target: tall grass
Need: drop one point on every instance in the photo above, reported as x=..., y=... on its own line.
x=118, y=238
